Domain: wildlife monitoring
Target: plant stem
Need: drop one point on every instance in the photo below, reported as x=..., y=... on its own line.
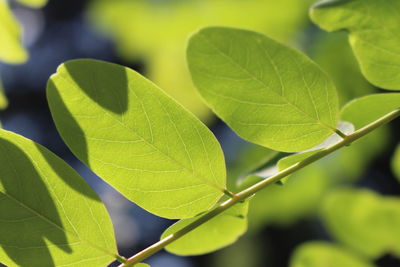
x=246, y=193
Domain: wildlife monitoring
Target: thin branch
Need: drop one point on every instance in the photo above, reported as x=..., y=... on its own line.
x=246, y=193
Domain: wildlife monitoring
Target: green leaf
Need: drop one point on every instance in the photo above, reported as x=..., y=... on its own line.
x=49, y=216
x=11, y=49
x=396, y=162
x=363, y=221
x=374, y=37
x=318, y=254
x=141, y=265
x=217, y=233
x=33, y=3
x=266, y=92
x=377, y=105
x=3, y=98
x=137, y=138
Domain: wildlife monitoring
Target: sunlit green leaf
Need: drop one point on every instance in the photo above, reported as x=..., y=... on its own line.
x=11, y=49
x=49, y=216
x=364, y=221
x=364, y=110
x=319, y=254
x=340, y=65
x=373, y=33
x=141, y=265
x=266, y=92
x=153, y=31
x=3, y=98
x=217, y=233
x=396, y=162
x=33, y=3
x=137, y=138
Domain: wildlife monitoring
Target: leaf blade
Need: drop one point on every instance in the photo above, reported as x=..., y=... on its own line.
x=145, y=144
x=254, y=92
x=41, y=225
x=373, y=37
x=215, y=234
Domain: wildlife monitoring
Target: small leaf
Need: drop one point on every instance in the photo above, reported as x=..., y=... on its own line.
x=376, y=106
x=49, y=216
x=11, y=49
x=137, y=138
x=396, y=162
x=318, y=254
x=363, y=221
x=217, y=233
x=266, y=92
x=373, y=33
x=33, y=3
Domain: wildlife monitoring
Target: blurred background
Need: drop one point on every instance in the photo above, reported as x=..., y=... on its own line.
x=337, y=201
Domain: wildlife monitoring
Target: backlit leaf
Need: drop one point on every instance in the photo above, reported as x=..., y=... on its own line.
x=376, y=106
x=373, y=33
x=364, y=221
x=217, y=233
x=319, y=254
x=49, y=216
x=266, y=92
x=137, y=138
x=11, y=49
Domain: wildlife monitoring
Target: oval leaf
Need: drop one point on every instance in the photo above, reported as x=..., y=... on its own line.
x=49, y=216
x=374, y=38
x=318, y=254
x=377, y=105
x=217, y=233
x=137, y=138
x=266, y=92
x=11, y=49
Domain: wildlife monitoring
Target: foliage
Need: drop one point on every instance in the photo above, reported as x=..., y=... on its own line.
x=158, y=155
x=285, y=96
x=364, y=221
x=157, y=33
x=11, y=50
x=41, y=195
x=373, y=38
